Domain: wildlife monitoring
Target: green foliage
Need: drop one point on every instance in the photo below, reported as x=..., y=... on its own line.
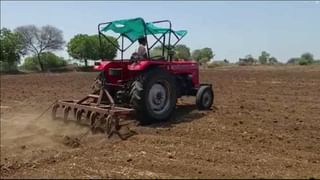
x=204, y=60
x=38, y=40
x=307, y=56
x=305, y=59
x=30, y=63
x=293, y=61
x=48, y=59
x=273, y=60
x=196, y=55
x=264, y=57
x=181, y=52
x=157, y=51
x=203, y=55
x=4, y=67
x=85, y=47
x=206, y=53
x=11, y=49
x=303, y=62
x=248, y=60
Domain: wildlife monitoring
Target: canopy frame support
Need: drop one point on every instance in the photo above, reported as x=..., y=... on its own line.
x=161, y=39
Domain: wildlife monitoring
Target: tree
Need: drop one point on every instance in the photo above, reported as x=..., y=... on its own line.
x=249, y=59
x=273, y=60
x=293, y=61
x=264, y=57
x=157, y=51
x=181, y=52
x=48, y=59
x=11, y=49
x=196, y=55
x=38, y=40
x=202, y=55
x=207, y=53
x=79, y=47
x=106, y=50
x=204, y=60
x=85, y=47
x=306, y=58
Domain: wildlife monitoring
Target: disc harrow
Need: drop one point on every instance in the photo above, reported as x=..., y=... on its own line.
x=96, y=110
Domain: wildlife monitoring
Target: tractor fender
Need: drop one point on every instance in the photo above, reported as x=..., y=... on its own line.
x=101, y=65
x=145, y=64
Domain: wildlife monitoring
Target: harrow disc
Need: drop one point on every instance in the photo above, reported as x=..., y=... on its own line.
x=93, y=111
x=100, y=122
x=66, y=112
x=79, y=115
x=54, y=111
x=75, y=113
x=88, y=117
x=93, y=117
x=108, y=124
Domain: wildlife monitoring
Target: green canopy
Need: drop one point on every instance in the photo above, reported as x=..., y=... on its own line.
x=133, y=29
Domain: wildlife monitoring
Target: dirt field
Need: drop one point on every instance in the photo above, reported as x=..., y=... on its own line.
x=265, y=124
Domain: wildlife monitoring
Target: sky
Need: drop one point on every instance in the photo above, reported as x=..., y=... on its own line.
x=233, y=29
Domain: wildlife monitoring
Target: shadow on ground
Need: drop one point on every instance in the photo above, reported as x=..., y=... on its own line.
x=183, y=114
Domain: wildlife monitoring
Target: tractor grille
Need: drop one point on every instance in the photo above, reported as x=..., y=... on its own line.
x=115, y=71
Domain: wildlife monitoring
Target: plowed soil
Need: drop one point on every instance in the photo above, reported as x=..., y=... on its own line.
x=265, y=123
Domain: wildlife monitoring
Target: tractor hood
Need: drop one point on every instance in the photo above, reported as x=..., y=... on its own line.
x=100, y=65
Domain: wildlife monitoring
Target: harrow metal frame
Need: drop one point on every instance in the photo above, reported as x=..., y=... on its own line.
x=98, y=113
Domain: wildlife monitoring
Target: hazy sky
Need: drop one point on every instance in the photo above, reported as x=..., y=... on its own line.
x=232, y=29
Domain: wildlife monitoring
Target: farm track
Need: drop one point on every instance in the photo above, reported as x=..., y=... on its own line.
x=265, y=124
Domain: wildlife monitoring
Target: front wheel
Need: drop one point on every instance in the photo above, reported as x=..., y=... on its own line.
x=204, y=97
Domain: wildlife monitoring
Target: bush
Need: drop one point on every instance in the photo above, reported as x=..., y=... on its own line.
x=30, y=63
x=48, y=59
x=5, y=67
x=304, y=61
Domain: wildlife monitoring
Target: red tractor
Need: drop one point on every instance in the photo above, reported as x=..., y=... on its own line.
x=148, y=86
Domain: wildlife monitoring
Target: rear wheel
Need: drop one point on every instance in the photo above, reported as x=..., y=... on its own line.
x=204, y=97
x=153, y=96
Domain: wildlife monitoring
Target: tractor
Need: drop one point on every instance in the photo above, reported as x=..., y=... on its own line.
x=147, y=87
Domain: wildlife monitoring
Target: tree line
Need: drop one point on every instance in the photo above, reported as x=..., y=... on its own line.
x=39, y=43
x=265, y=58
